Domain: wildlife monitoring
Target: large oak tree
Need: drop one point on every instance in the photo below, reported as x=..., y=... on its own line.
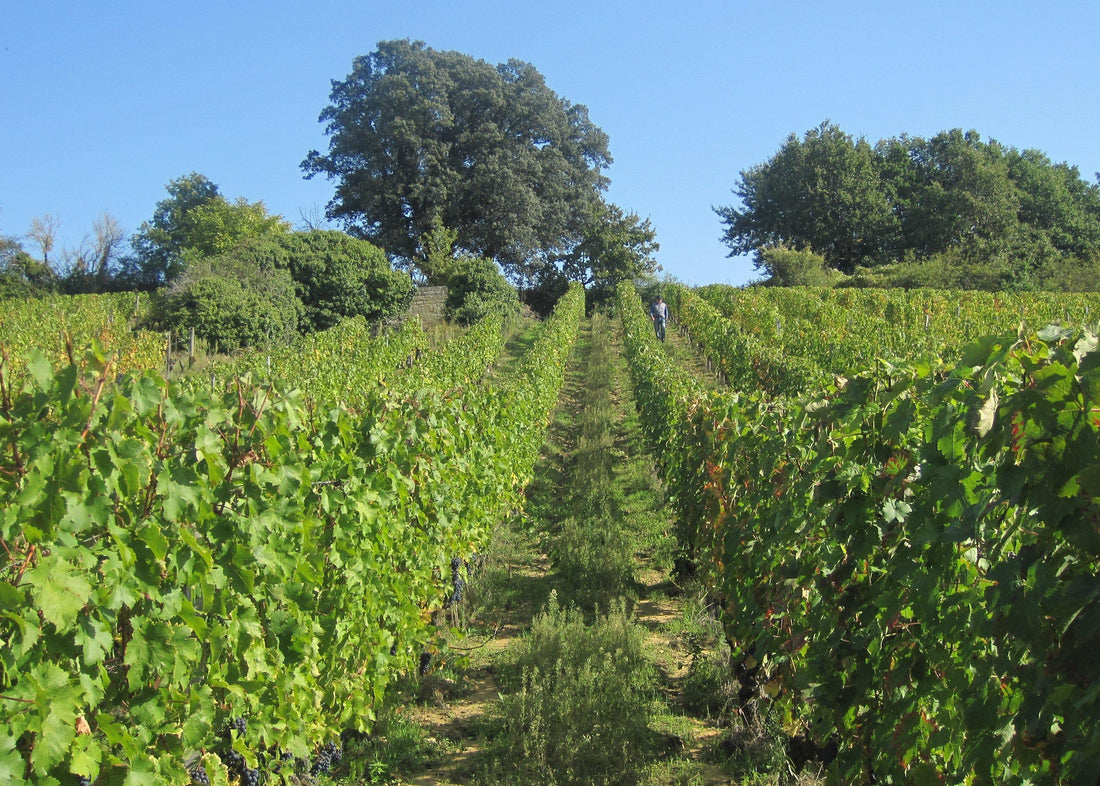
x=420, y=136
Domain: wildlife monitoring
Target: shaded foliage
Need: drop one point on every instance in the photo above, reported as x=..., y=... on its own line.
x=341, y=276
x=245, y=297
x=269, y=289
x=193, y=222
x=21, y=275
x=614, y=246
x=418, y=134
x=952, y=199
x=476, y=289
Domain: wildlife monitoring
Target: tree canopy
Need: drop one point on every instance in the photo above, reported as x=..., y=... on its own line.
x=243, y=297
x=954, y=196
x=822, y=191
x=341, y=276
x=195, y=221
x=21, y=275
x=613, y=246
x=269, y=288
x=418, y=135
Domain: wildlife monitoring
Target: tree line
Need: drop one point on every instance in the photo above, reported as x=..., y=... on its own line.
x=445, y=165
x=952, y=210
x=449, y=169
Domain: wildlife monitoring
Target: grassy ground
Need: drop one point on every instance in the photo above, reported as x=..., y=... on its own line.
x=582, y=660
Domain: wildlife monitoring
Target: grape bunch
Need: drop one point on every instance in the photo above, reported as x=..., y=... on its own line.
x=458, y=584
x=199, y=776
x=239, y=725
x=328, y=755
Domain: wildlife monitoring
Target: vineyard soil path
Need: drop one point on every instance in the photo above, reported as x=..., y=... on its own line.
x=455, y=707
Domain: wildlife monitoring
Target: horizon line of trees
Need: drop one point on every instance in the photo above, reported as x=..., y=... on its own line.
x=421, y=141
x=438, y=158
x=952, y=209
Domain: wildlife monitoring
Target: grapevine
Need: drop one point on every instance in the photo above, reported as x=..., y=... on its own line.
x=180, y=555
x=906, y=557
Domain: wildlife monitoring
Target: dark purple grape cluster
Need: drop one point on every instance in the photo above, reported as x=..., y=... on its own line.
x=239, y=725
x=234, y=761
x=458, y=584
x=327, y=755
x=198, y=775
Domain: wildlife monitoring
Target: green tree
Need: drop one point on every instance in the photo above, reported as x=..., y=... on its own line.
x=417, y=134
x=614, y=246
x=436, y=257
x=21, y=275
x=961, y=195
x=953, y=209
x=1054, y=200
x=195, y=221
x=790, y=267
x=341, y=276
x=821, y=191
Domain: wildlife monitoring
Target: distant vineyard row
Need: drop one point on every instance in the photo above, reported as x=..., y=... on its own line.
x=907, y=552
x=784, y=340
x=62, y=326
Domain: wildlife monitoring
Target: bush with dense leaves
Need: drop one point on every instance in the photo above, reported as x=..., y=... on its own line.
x=578, y=702
x=476, y=289
x=341, y=276
x=790, y=267
x=269, y=289
x=245, y=297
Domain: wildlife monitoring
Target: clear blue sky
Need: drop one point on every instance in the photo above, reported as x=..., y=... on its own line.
x=104, y=103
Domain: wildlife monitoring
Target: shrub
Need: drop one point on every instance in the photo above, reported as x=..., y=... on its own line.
x=581, y=698
x=790, y=267
x=245, y=297
x=477, y=288
x=547, y=288
x=1071, y=274
x=341, y=276
x=594, y=559
x=22, y=276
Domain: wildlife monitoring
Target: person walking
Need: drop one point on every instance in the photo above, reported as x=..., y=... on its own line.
x=658, y=312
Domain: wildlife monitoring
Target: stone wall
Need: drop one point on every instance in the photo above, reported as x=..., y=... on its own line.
x=428, y=304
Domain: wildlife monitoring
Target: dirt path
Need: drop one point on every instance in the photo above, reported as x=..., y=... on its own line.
x=456, y=706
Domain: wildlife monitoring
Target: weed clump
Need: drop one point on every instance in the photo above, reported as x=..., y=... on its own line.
x=578, y=704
